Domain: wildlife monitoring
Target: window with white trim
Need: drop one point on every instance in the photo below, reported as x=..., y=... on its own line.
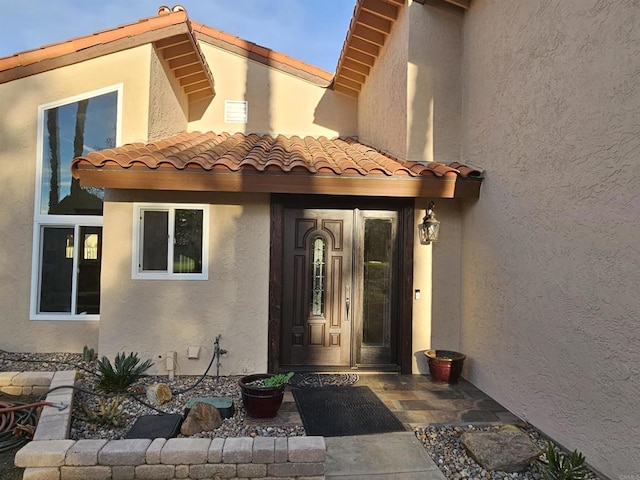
x=67, y=248
x=170, y=241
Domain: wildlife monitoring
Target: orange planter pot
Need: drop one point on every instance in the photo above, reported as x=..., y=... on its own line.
x=445, y=365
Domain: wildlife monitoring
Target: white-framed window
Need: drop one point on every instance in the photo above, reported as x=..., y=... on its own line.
x=170, y=241
x=67, y=226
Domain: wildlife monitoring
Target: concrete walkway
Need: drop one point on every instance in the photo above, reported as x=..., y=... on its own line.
x=396, y=455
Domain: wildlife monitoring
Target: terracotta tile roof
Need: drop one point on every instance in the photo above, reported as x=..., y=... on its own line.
x=261, y=153
x=133, y=34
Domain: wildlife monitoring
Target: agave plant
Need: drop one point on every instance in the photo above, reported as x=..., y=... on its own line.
x=560, y=466
x=125, y=371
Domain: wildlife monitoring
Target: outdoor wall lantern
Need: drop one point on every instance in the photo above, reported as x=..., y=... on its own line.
x=429, y=229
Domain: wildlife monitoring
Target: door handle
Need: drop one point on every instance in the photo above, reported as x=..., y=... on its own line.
x=347, y=295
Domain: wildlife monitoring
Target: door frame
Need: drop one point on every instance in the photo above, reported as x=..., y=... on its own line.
x=404, y=312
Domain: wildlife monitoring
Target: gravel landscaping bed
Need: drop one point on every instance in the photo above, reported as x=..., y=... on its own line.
x=442, y=443
x=444, y=447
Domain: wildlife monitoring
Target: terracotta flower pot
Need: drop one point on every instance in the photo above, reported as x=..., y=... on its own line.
x=260, y=402
x=445, y=365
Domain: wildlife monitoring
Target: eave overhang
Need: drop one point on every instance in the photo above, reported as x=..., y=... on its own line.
x=171, y=34
x=259, y=163
x=448, y=186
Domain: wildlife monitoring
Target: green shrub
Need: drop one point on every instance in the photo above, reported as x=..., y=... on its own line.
x=560, y=466
x=278, y=380
x=124, y=372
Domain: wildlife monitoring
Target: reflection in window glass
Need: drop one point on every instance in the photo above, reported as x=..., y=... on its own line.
x=377, y=281
x=187, y=244
x=56, y=270
x=155, y=247
x=318, y=274
x=88, y=294
x=70, y=131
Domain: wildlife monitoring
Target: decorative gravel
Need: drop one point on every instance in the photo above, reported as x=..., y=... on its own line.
x=445, y=448
x=442, y=442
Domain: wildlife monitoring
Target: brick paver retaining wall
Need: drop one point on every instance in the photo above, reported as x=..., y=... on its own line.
x=52, y=456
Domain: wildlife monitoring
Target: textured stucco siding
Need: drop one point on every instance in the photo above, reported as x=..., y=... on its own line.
x=168, y=104
x=433, y=84
x=437, y=275
x=154, y=317
x=382, y=104
x=551, y=252
x=279, y=103
x=20, y=100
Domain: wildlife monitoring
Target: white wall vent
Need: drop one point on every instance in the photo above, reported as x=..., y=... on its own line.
x=236, y=111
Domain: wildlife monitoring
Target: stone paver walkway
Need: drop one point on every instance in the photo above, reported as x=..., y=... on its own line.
x=417, y=402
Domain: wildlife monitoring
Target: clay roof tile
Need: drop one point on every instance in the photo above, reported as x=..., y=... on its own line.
x=254, y=152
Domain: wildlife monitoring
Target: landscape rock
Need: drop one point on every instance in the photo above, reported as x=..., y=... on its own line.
x=158, y=393
x=201, y=418
x=505, y=450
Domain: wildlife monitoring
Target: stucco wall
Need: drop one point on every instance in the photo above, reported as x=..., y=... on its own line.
x=168, y=105
x=154, y=317
x=551, y=253
x=278, y=102
x=437, y=274
x=382, y=104
x=433, y=84
x=18, y=139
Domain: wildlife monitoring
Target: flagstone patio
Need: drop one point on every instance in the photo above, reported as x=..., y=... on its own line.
x=417, y=402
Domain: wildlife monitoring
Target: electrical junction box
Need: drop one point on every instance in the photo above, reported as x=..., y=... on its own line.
x=193, y=352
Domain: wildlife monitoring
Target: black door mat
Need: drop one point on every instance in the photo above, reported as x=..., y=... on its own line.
x=156, y=426
x=344, y=411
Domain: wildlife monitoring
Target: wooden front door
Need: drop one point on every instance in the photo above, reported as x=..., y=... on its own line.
x=317, y=287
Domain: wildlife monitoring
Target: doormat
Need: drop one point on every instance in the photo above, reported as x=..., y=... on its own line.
x=344, y=411
x=317, y=380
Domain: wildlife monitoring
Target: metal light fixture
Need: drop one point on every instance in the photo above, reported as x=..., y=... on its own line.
x=429, y=229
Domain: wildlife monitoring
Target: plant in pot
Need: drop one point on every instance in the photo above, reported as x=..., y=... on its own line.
x=262, y=393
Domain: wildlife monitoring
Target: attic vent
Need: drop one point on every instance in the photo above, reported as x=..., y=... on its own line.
x=236, y=111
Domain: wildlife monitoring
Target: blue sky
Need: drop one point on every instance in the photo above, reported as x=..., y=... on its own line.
x=309, y=30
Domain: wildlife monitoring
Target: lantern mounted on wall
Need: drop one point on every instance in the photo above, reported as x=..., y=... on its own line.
x=429, y=229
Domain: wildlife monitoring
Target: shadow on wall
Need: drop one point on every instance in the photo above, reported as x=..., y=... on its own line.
x=325, y=113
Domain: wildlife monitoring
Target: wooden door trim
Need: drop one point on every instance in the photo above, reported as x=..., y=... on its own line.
x=275, y=284
x=406, y=229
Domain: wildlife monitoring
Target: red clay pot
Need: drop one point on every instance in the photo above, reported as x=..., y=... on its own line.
x=445, y=365
x=260, y=402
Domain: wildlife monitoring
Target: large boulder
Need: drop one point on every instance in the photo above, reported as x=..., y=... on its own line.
x=505, y=450
x=201, y=418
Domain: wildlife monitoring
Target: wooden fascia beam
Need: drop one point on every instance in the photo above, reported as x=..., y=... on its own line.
x=466, y=4
x=196, y=87
x=351, y=75
x=375, y=23
x=177, y=51
x=355, y=67
x=347, y=91
x=371, y=36
x=201, y=95
x=172, y=41
x=364, y=46
x=449, y=186
x=195, y=78
x=381, y=9
x=360, y=57
x=342, y=80
x=184, y=61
